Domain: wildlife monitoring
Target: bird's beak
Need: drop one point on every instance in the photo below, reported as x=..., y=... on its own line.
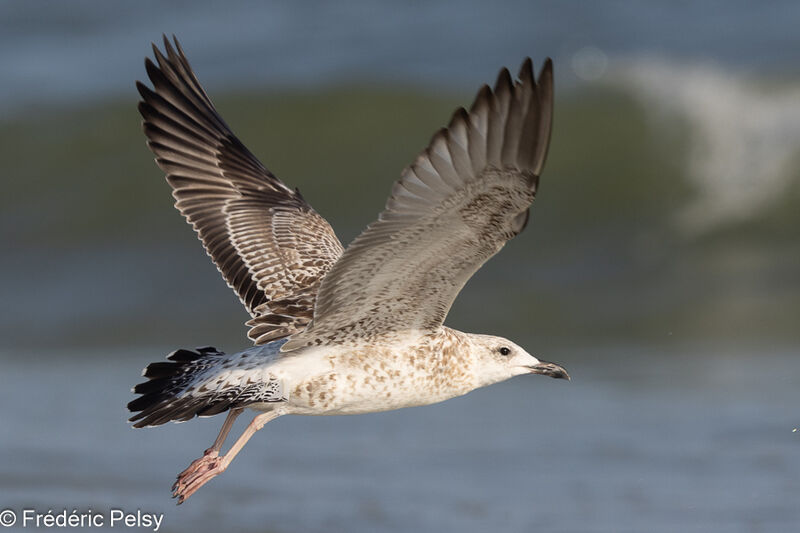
x=550, y=369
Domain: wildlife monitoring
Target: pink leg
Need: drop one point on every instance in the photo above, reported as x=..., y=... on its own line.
x=233, y=414
x=211, y=453
x=211, y=465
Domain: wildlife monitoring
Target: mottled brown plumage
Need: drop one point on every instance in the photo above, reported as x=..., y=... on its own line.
x=270, y=245
x=452, y=209
x=356, y=331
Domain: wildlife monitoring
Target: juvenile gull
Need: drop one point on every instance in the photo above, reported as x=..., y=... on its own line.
x=341, y=331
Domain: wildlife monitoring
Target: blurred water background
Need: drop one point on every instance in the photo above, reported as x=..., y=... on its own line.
x=661, y=265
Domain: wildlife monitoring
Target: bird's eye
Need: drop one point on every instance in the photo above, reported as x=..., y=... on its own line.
x=504, y=351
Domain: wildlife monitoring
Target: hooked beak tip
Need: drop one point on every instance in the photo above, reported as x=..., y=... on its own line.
x=550, y=369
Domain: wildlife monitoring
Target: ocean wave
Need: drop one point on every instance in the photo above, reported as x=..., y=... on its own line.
x=742, y=133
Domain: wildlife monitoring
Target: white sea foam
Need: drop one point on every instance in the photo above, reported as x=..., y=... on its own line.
x=744, y=135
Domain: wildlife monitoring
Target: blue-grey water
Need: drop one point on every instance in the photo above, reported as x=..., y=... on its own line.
x=85, y=49
x=661, y=265
x=640, y=440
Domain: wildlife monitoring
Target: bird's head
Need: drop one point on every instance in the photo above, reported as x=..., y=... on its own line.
x=499, y=359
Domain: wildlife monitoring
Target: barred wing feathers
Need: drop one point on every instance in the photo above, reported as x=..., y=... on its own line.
x=269, y=244
x=456, y=206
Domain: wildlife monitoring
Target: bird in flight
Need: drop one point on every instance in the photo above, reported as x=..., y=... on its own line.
x=341, y=330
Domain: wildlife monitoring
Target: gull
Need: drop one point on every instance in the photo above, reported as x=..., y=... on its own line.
x=341, y=331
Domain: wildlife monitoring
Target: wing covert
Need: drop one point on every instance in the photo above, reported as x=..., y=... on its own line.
x=460, y=201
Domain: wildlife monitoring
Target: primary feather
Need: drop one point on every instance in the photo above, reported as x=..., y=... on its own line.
x=456, y=206
x=269, y=244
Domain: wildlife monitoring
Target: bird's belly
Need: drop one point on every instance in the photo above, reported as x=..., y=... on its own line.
x=371, y=390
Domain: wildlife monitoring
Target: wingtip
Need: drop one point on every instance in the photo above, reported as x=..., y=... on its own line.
x=547, y=68
x=460, y=115
x=168, y=46
x=526, y=70
x=546, y=80
x=503, y=81
x=167, y=43
x=179, y=48
x=441, y=135
x=484, y=93
x=144, y=91
x=153, y=71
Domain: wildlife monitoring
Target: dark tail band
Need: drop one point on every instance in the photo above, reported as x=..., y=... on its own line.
x=162, y=398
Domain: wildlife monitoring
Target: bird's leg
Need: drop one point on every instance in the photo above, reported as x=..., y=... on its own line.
x=191, y=479
x=211, y=454
x=233, y=414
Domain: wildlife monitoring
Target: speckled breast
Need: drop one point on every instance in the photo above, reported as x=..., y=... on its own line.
x=365, y=379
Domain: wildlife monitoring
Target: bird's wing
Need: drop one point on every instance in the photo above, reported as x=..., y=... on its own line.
x=269, y=244
x=456, y=206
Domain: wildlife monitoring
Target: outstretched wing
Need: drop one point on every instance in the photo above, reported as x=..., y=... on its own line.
x=453, y=208
x=270, y=245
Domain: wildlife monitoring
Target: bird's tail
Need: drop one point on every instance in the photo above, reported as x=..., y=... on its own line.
x=164, y=396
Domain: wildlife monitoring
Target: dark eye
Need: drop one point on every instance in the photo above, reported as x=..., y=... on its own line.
x=504, y=351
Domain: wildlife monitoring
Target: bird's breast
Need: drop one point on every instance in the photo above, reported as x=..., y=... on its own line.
x=360, y=380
